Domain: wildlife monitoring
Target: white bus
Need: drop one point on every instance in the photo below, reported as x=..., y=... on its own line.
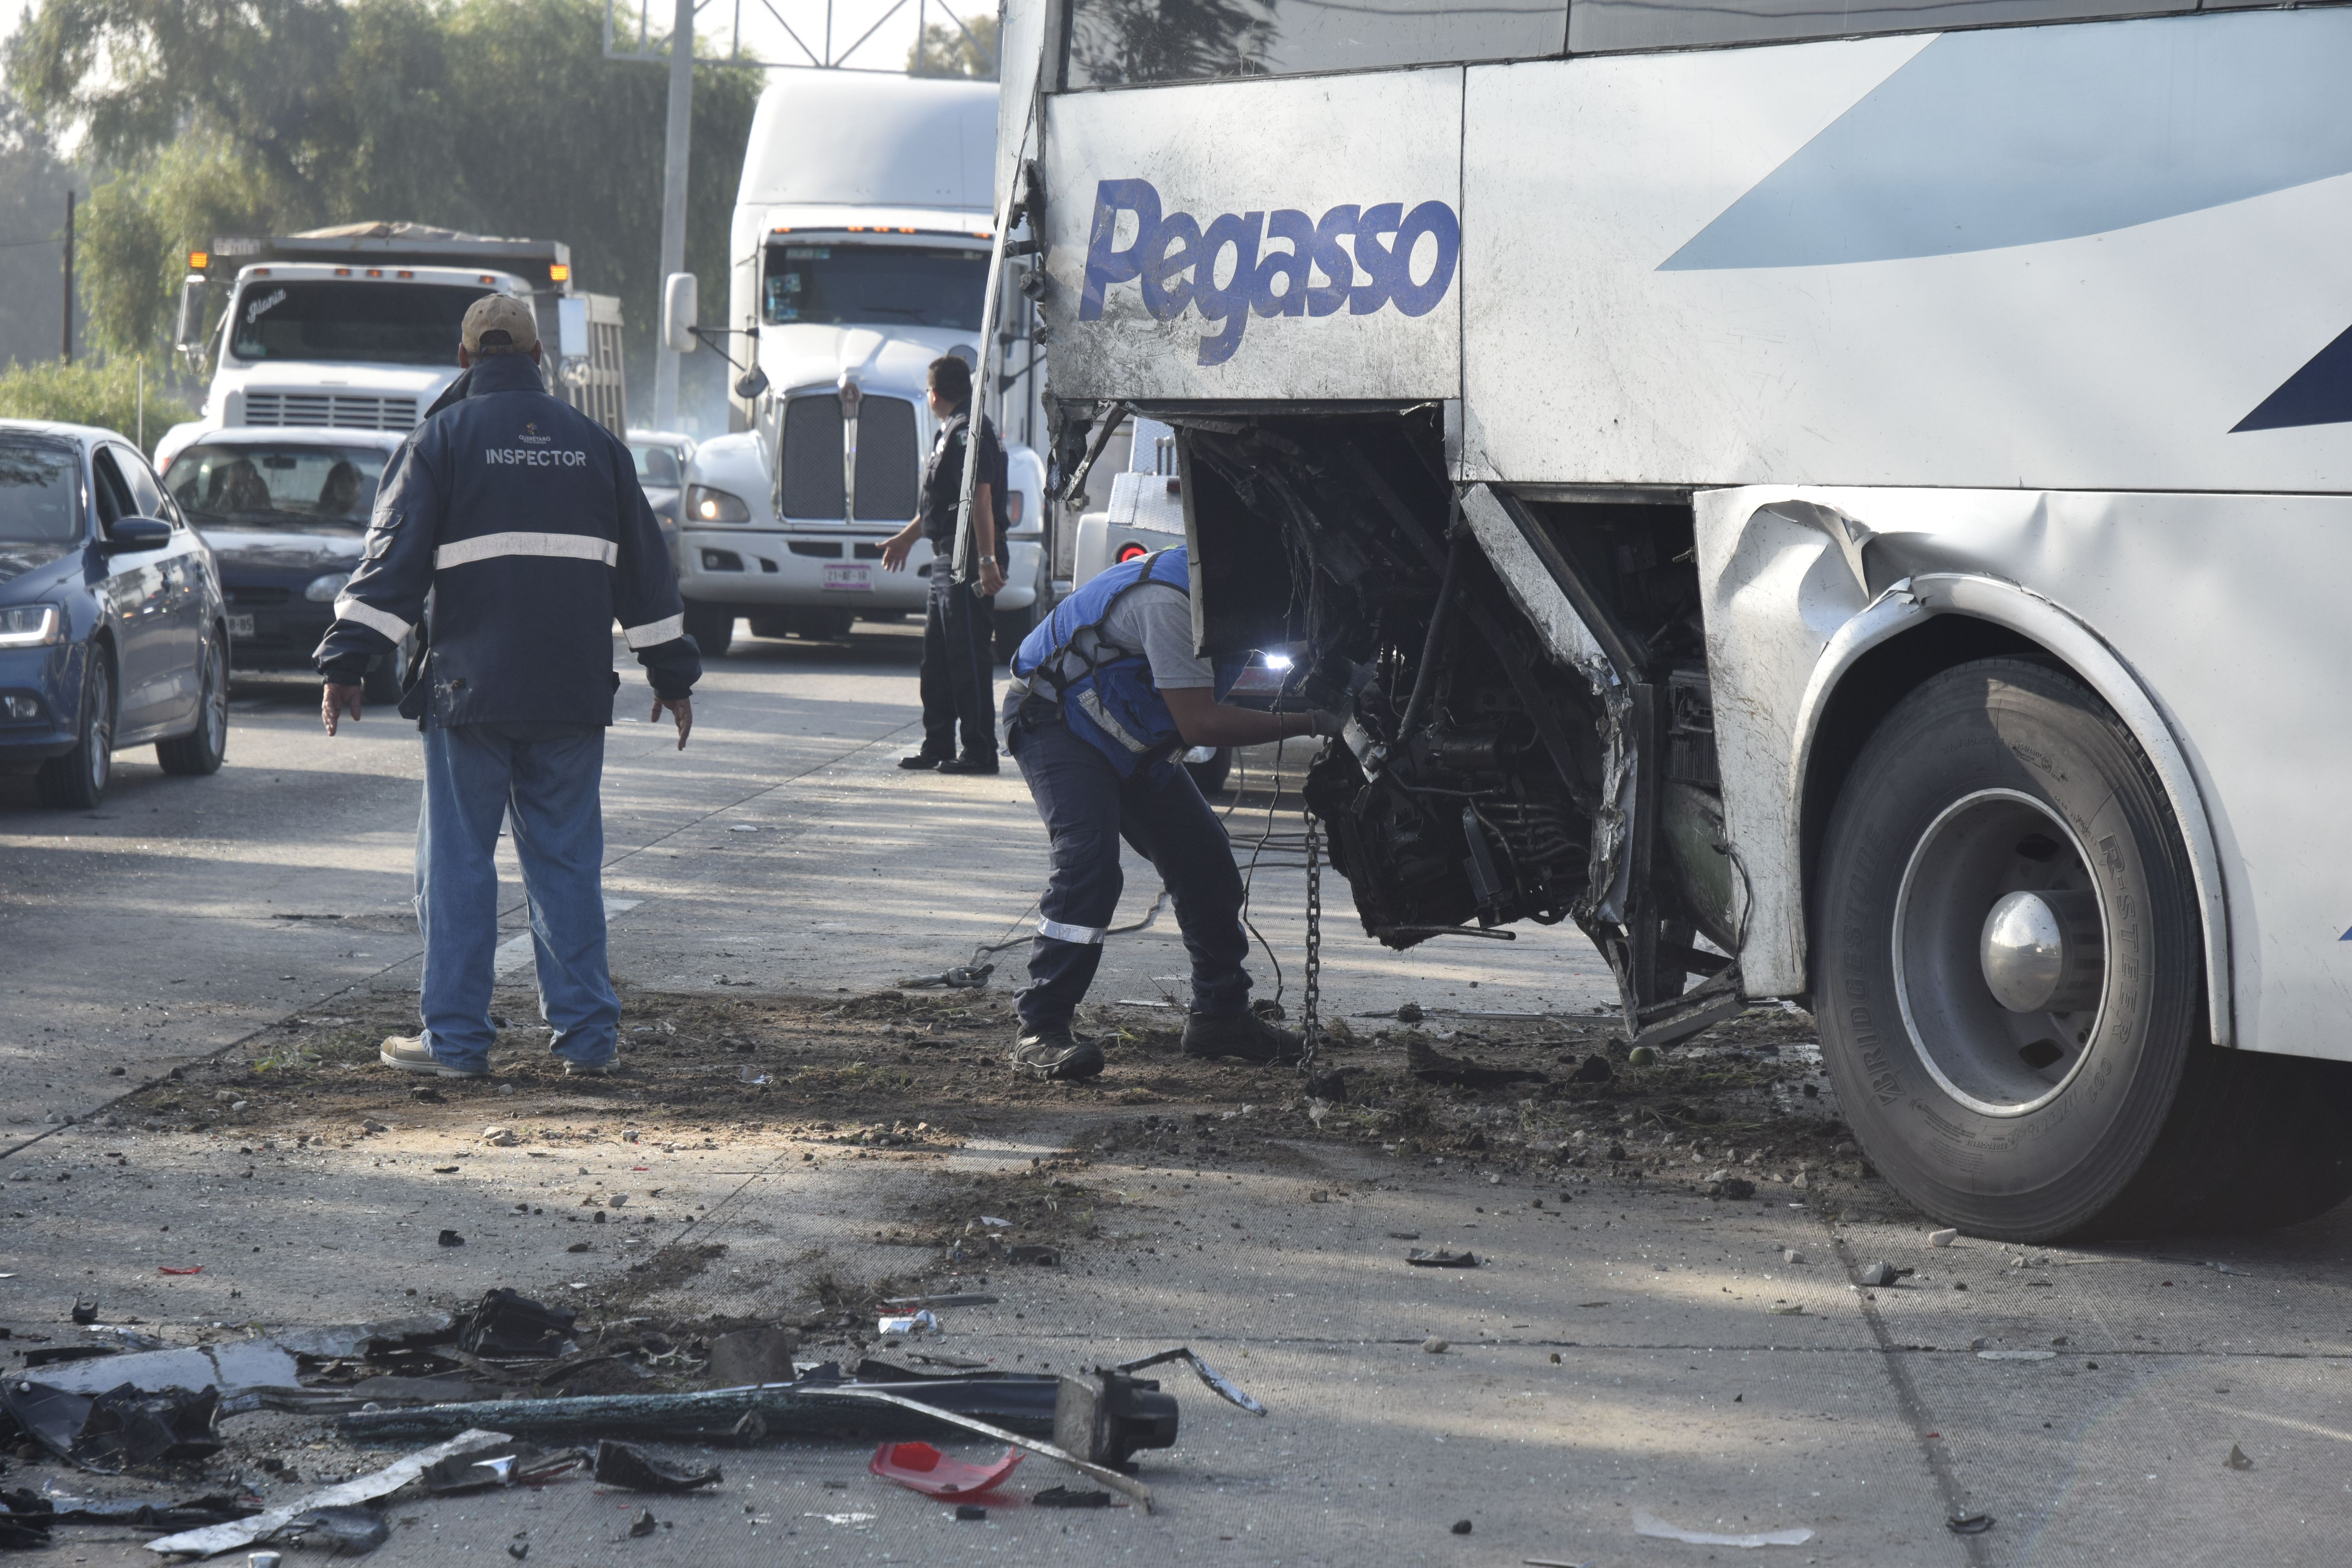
x=1862, y=486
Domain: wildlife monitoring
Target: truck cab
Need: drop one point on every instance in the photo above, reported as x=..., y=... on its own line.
x=860, y=254
x=356, y=328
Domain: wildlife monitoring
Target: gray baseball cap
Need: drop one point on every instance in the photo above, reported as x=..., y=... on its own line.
x=505, y=321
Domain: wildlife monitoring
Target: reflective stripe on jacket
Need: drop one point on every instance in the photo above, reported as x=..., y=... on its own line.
x=1112, y=704
x=524, y=520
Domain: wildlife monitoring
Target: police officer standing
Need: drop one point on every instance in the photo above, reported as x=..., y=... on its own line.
x=522, y=518
x=959, y=627
x=1106, y=693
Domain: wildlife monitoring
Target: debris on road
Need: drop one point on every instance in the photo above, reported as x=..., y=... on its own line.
x=1434, y=1345
x=644, y=1524
x=507, y=1326
x=913, y=1325
x=451, y=1238
x=1439, y=1258
x=2017, y=1356
x=752, y=1356
x=352, y=1528
x=1969, y=1524
x=1942, y=1237
x=213, y=1539
x=920, y=1467
x=1429, y=1065
x=2237, y=1459
x=1652, y=1525
x=1880, y=1273
x=1063, y=1497
x=501, y=1465
x=109, y=1431
x=967, y=1512
x=630, y=1468
x=231, y=1366
x=1461, y=1527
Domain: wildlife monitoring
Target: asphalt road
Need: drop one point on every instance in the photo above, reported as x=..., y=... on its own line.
x=1632, y=1350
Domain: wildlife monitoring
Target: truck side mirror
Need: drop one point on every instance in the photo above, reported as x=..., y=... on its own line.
x=190, y=337
x=679, y=312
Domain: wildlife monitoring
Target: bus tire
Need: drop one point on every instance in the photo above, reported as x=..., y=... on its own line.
x=2083, y=1100
x=712, y=627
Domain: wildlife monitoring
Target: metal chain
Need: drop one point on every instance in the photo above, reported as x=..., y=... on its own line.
x=1314, y=1026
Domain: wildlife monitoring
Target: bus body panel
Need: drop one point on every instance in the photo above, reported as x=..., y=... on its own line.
x=2190, y=594
x=1250, y=150
x=2080, y=258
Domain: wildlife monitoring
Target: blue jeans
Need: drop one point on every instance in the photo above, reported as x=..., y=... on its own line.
x=546, y=778
x=1088, y=808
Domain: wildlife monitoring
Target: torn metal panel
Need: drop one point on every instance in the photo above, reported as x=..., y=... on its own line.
x=1535, y=586
x=232, y=1366
x=1800, y=584
x=215, y=1539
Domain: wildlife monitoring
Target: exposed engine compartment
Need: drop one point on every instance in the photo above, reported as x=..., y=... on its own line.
x=1530, y=737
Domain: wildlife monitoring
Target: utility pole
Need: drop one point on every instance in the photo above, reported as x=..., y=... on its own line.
x=66, y=337
x=673, y=233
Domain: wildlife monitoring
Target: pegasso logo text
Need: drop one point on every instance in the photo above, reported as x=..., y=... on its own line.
x=1177, y=263
x=526, y=457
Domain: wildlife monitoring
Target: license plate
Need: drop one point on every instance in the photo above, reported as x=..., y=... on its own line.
x=850, y=579
x=240, y=625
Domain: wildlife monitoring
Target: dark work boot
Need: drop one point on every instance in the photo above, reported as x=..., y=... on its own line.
x=1053, y=1054
x=971, y=763
x=923, y=760
x=1242, y=1034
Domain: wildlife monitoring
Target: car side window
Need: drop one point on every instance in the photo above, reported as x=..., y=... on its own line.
x=114, y=501
x=146, y=495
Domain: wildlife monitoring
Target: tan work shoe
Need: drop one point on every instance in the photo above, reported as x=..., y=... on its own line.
x=409, y=1053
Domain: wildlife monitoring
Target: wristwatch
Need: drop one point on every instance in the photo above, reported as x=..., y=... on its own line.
x=988, y=561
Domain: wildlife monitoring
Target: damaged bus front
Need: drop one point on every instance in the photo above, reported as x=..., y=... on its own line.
x=1795, y=506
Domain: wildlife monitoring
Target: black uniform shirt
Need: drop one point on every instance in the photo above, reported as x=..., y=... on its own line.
x=943, y=481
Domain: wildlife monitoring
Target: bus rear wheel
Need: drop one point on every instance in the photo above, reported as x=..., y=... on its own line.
x=2007, y=970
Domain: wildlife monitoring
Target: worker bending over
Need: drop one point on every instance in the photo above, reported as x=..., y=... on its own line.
x=1106, y=694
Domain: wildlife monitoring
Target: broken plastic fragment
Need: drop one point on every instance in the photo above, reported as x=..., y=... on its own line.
x=629, y=1467
x=1651, y=1525
x=1441, y=1258
x=1218, y=1382
x=920, y=1467
x=1062, y=1497
x=347, y=1527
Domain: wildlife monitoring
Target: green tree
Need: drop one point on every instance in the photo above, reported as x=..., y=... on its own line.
x=946, y=50
x=112, y=396
x=503, y=116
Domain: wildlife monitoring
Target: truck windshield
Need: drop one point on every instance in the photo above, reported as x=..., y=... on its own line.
x=249, y=485
x=326, y=319
x=36, y=492
x=875, y=285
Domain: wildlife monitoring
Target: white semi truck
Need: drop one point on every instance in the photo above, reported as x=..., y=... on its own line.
x=860, y=254
x=356, y=328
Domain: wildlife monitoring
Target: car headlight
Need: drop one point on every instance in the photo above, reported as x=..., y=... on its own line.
x=31, y=626
x=323, y=590
x=704, y=504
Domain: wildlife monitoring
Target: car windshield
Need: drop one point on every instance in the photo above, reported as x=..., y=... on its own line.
x=36, y=492
x=875, y=285
x=327, y=319
x=656, y=464
x=249, y=485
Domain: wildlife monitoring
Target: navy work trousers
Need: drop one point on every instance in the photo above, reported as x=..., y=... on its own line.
x=959, y=667
x=1088, y=808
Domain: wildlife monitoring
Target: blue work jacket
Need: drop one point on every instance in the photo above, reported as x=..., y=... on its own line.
x=523, y=520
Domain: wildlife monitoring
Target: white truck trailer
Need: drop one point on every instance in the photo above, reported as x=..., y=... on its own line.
x=860, y=254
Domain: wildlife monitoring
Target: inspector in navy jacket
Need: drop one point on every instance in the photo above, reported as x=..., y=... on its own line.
x=523, y=519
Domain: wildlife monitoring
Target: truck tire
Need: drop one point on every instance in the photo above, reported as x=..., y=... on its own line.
x=2008, y=1064
x=712, y=627
x=202, y=750
x=77, y=780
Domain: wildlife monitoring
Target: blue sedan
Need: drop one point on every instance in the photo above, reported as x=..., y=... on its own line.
x=113, y=629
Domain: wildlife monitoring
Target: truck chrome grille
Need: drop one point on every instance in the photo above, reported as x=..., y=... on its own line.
x=888, y=463
x=322, y=410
